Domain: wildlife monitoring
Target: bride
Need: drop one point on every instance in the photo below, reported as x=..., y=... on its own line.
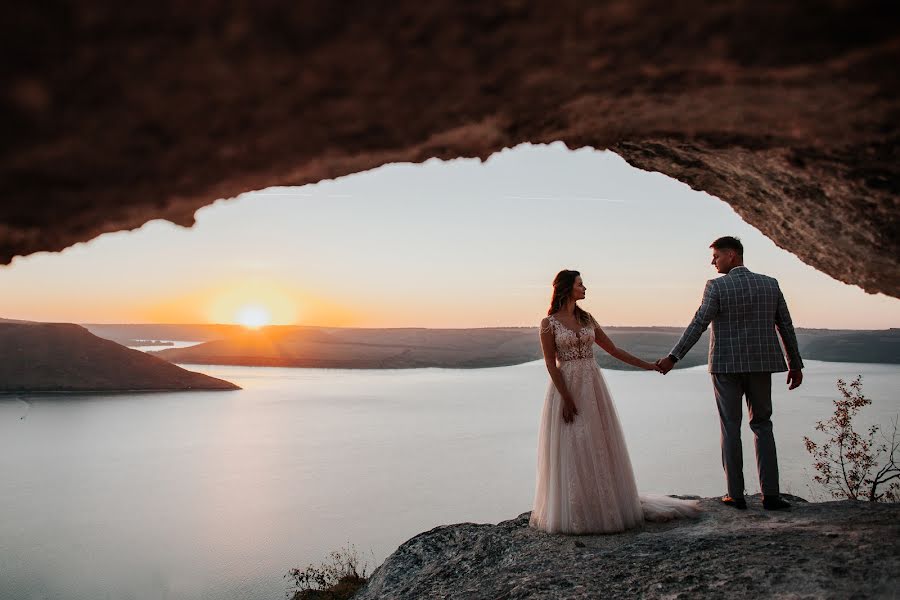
x=585, y=483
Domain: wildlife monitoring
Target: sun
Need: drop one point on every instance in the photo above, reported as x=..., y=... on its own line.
x=254, y=303
x=253, y=316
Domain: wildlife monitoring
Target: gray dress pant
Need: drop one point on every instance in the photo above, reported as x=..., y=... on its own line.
x=757, y=387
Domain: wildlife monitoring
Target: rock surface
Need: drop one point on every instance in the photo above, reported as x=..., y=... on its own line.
x=788, y=111
x=63, y=357
x=818, y=550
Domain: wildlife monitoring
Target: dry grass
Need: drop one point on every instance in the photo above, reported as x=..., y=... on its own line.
x=338, y=578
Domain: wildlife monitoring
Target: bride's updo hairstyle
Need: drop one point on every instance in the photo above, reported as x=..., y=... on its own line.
x=562, y=289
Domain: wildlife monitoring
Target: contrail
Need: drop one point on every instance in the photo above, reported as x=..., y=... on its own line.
x=563, y=199
x=507, y=197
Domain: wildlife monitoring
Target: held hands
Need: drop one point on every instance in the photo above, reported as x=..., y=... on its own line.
x=664, y=365
x=652, y=367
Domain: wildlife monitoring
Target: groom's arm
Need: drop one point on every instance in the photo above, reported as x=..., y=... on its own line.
x=786, y=331
x=709, y=308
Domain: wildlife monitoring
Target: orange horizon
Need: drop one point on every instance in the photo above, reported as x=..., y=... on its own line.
x=326, y=326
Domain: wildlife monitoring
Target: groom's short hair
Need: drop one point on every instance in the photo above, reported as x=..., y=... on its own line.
x=728, y=243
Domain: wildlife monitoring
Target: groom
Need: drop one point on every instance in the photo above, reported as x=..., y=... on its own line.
x=744, y=308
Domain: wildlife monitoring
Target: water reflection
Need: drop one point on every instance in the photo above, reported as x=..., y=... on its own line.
x=218, y=494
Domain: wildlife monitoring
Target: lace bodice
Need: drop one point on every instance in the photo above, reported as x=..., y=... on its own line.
x=572, y=345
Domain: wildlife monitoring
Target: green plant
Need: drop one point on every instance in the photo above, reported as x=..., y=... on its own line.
x=848, y=463
x=338, y=578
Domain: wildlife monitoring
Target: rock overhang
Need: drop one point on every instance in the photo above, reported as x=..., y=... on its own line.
x=790, y=115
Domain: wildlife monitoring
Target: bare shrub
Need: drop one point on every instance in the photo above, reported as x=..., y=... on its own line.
x=848, y=463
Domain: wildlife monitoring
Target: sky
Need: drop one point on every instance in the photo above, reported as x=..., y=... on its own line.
x=461, y=243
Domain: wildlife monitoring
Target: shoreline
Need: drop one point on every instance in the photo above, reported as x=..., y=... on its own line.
x=4, y=393
x=336, y=365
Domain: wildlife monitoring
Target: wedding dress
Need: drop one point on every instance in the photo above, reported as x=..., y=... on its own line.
x=585, y=483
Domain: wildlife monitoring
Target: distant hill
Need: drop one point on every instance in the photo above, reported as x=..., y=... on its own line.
x=364, y=348
x=854, y=346
x=488, y=347
x=63, y=357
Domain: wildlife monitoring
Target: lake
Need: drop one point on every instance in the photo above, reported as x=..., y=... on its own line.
x=196, y=495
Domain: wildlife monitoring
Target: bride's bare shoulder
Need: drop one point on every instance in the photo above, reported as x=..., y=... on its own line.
x=545, y=325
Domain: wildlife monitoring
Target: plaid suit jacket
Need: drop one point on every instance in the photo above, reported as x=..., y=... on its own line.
x=745, y=308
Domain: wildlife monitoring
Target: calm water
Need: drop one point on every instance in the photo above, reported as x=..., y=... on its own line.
x=217, y=494
x=175, y=344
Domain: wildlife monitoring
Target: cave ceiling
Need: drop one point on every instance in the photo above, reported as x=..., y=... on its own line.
x=116, y=115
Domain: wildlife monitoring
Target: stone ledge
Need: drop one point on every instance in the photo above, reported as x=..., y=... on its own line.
x=817, y=550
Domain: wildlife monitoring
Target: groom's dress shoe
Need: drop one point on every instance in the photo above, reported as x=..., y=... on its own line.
x=738, y=503
x=775, y=503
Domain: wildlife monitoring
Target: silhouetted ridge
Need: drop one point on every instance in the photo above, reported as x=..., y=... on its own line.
x=44, y=357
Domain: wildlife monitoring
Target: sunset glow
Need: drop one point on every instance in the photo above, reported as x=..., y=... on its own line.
x=253, y=303
x=253, y=316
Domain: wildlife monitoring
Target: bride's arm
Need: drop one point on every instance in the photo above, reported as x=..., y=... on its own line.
x=548, y=345
x=607, y=344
